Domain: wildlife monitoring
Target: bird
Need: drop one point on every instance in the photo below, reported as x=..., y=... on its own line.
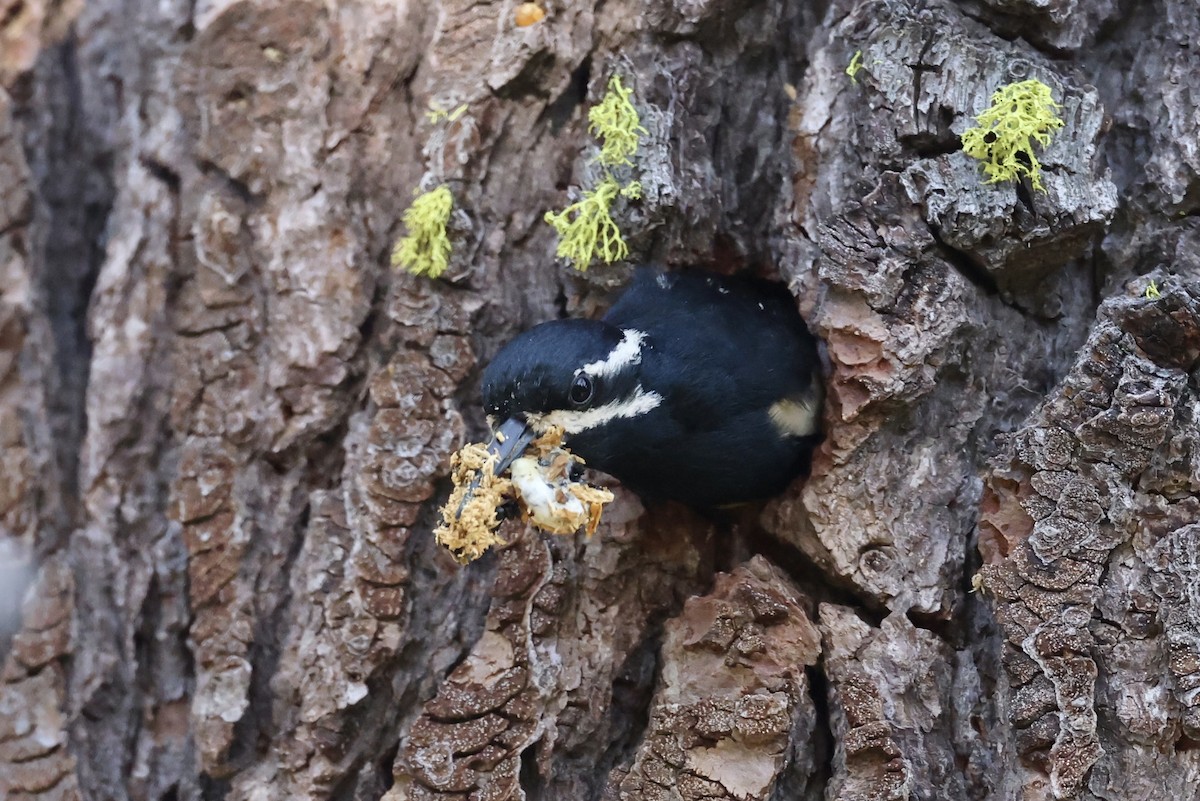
x=694, y=387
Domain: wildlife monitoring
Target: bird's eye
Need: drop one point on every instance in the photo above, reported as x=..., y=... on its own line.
x=581, y=389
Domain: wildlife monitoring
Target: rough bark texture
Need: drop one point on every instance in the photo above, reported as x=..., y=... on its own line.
x=225, y=421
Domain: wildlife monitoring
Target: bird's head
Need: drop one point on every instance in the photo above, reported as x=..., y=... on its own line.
x=579, y=375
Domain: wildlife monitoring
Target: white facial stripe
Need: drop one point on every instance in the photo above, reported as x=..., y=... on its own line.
x=573, y=422
x=796, y=417
x=627, y=353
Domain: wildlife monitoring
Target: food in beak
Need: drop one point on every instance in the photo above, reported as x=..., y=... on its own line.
x=540, y=482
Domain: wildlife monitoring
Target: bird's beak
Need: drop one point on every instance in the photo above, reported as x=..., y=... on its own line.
x=510, y=441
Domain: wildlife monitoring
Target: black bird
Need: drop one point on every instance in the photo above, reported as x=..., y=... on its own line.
x=694, y=387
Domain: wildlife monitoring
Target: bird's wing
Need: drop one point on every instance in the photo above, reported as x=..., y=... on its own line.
x=718, y=346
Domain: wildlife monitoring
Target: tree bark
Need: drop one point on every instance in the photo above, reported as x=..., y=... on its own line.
x=226, y=421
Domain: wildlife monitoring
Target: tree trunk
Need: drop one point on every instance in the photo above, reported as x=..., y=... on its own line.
x=226, y=421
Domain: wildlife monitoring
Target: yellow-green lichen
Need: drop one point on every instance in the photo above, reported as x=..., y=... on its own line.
x=856, y=64
x=1020, y=114
x=586, y=229
x=615, y=121
x=436, y=113
x=426, y=248
x=1152, y=290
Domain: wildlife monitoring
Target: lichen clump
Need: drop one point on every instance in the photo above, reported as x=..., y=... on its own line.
x=856, y=64
x=586, y=228
x=437, y=114
x=469, y=518
x=615, y=121
x=541, y=483
x=1020, y=115
x=425, y=250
